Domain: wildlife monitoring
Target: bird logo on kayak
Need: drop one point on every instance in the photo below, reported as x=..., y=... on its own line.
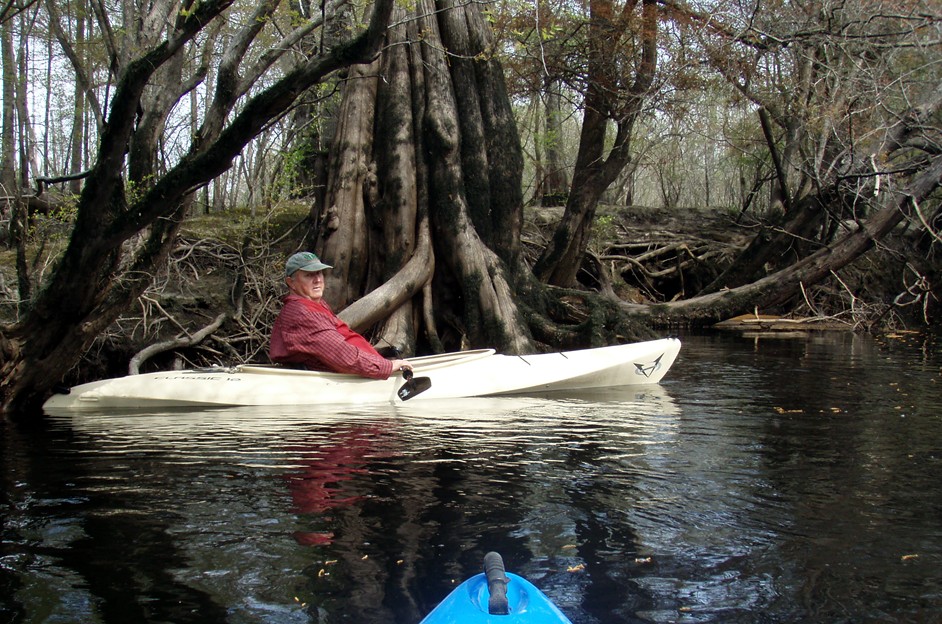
x=648, y=369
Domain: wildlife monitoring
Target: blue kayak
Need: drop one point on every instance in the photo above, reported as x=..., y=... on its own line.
x=496, y=597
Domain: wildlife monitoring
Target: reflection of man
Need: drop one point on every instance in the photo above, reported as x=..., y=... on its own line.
x=308, y=333
x=317, y=487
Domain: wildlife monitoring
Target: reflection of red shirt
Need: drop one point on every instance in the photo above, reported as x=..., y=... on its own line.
x=318, y=487
x=308, y=333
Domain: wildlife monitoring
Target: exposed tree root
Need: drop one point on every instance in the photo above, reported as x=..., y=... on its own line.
x=663, y=258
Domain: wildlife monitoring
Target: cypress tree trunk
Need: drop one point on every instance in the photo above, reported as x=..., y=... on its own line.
x=347, y=237
x=442, y=190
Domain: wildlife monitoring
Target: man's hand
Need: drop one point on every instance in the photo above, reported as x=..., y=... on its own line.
x=399, y=365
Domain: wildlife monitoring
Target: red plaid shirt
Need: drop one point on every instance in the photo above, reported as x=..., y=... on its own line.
x=308, y=333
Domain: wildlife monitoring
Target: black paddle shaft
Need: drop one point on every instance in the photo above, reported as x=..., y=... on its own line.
x=497, y=603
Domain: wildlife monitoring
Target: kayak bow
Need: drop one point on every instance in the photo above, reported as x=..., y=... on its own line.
x=496, y=597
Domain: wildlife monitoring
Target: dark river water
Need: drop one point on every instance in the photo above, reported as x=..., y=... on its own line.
x=766, y=480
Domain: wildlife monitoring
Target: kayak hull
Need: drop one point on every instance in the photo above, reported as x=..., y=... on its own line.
x=476, y=373
x=468, y=604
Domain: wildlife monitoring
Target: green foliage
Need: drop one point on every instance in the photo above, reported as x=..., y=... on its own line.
x=65, y=210
x=134, y=190
x=290, y=180
x=604, y=230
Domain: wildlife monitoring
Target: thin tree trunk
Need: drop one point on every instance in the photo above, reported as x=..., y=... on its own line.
x=595, y=171
x=555, y=182
x=8, y=185
x=76, y=160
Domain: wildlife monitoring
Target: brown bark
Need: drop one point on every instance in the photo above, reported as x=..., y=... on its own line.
x=346, y=233
x=474, y=285
x=489, y=139
x=446, y=210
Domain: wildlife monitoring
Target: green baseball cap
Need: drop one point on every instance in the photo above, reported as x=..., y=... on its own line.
x=304, y=261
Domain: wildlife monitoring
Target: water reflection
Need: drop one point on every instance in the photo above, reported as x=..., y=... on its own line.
x=318, y=486
x=773, y=481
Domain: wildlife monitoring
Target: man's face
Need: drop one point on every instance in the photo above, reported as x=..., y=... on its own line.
x=307, y=284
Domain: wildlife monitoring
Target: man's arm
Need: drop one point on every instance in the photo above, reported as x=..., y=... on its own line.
x=311, y=338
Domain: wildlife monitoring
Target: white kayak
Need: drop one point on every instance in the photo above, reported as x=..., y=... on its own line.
x=475, y=373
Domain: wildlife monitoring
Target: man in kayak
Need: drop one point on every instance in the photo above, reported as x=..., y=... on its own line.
x=309, y=334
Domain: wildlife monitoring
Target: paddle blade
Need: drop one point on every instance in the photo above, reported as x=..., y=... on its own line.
x=415, y=385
